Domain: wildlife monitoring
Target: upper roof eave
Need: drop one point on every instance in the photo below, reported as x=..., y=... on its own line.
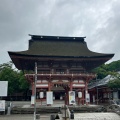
x=27, y=55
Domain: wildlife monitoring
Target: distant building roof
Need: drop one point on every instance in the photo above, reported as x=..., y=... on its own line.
x=69, y=48
x=101, y=82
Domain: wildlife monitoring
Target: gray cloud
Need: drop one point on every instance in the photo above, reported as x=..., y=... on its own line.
x=97, y=20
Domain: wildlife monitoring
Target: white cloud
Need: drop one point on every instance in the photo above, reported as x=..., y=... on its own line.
x=97, y=20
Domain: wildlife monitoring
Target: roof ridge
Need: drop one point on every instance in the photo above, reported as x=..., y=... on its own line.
x=41, y=37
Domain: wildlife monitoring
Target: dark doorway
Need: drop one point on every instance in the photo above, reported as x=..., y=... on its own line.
x=57, y=95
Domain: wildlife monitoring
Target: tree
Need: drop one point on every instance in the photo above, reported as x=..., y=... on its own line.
x=15, y=78
x=115, y=83
x=105, y=69
x=101, y=71
x=23, y=84
x=114, y=66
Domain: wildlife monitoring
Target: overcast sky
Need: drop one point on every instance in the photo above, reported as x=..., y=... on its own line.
x=98, y=20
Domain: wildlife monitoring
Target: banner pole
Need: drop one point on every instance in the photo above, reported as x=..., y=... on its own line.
x=35, y=90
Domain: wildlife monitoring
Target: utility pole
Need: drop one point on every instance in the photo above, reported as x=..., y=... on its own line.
x=35, y=90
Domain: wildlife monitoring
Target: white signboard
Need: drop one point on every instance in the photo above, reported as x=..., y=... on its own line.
x=32, y=100
x=2, y=105
x=3, y=88
x=41, y=94
x=87, y=97
x=79, y=94
x=93, y=99
x=49, y=97
x=71, y=97
x=115, y=95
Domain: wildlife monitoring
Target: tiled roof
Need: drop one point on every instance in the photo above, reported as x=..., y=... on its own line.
x=59, y=46
x=101, y=82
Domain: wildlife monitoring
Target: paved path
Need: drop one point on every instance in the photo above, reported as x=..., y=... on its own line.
x=96, y=116
x=23, y=117
x=78, y=116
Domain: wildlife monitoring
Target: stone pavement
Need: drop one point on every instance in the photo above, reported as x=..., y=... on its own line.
x=46, y=116
x=96, y=116
x=24, y=117
x=78, y=116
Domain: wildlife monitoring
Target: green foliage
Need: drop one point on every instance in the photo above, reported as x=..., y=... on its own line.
x=110, y=69
x=107, y=69
x=16, y=79
x=23, y=82
x=114, y=66
x=116, y=82
x=101, y=71
x=5, y=65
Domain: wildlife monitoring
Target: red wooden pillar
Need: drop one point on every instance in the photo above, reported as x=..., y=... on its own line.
x=86, y=86
x=71, y=85
x=83, y=97
x=66, y=96
x=49, y=85
x=33, y=89
x=79, y=99
x=86, y=91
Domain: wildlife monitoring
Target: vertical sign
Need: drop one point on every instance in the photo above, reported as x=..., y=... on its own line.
x=115, y=95
x=93, y=99
x=71, y=97
x=3, y=88
x=32, y=100
x=87, y=97
x=79, y=94
x=41, y=94
x=50, y=97
x=2, y=105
